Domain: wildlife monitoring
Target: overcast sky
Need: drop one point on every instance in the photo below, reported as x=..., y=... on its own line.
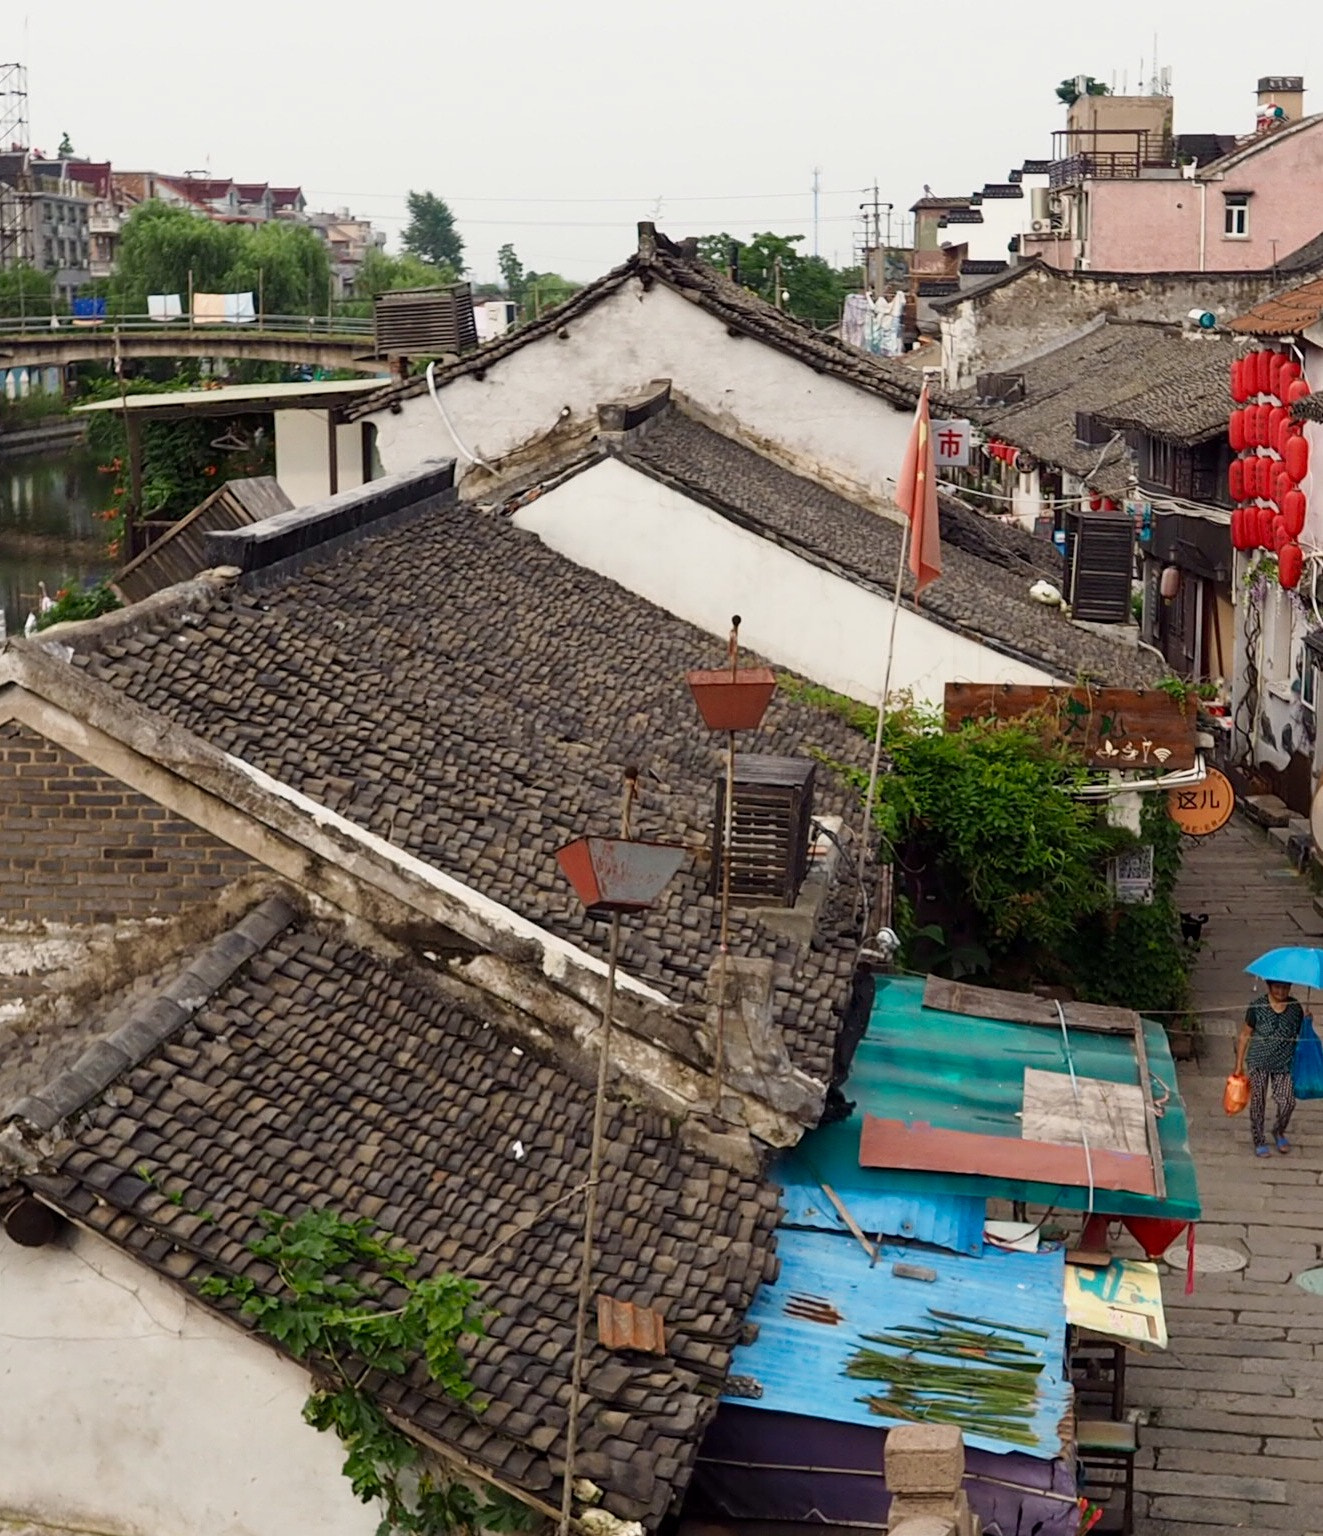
x=558, y=126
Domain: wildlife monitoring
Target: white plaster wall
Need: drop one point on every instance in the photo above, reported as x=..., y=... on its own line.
x=302, y=467
x=839, y=433
x=126, y=1407
x=697, y=565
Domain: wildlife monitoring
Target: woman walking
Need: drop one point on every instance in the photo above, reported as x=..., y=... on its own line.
x=1265, y=1049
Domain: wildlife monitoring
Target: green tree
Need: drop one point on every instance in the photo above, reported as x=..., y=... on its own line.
x=812, y=288
x=66, y=148
x=544, y=290
x=431, y=233
x=162, y=245
x=512, y=272
x=25, y=291
x=380, y=273
x=1068, y=92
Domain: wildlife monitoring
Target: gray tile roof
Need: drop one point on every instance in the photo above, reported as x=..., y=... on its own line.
x=320, y=1075
x=988, y=566
x=473, y=697
x=660, y=260
x=1135, y=374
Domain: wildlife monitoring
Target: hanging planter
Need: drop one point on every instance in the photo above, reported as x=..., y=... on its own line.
x=617, y=874
x=733, y=699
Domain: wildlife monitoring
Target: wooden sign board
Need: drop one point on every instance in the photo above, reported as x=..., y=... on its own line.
x=1128, y=729
x=1203, y=808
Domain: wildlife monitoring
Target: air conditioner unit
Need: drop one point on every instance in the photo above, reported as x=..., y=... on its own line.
x=1056, y=203
x=1041, y=227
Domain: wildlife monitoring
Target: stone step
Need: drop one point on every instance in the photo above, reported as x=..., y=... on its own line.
x=1266, y=810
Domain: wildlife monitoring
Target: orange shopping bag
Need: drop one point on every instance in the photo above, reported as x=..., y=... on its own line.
x=1235, y=1095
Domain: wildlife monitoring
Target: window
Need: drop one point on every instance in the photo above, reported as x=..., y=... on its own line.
x=1158, y=462
x=1237, y=216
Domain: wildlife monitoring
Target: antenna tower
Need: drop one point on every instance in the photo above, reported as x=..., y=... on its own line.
x=15, y=184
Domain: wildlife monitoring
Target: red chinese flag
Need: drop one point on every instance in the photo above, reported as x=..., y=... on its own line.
x=916, y=496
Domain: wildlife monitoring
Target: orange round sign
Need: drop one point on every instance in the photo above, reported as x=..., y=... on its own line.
x=1203, y=808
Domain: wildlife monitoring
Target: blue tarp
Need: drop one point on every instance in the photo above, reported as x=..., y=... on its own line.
x=89, y=309
x=799, y=1364
x=947, y=1221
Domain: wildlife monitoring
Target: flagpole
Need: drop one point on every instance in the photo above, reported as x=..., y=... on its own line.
x=882, y=702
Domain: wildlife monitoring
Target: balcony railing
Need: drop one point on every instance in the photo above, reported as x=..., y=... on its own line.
x=1107, y=154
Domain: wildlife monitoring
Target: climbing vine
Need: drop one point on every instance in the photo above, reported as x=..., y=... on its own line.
x=331, y=1309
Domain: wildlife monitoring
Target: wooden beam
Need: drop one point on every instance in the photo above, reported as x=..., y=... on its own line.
x=1025, y=1008
x=332, y=452
x=1150, y=1114
x=134, y=512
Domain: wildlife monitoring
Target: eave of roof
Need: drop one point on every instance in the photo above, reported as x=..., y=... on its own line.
x=1215, y=169
x=1285, y=315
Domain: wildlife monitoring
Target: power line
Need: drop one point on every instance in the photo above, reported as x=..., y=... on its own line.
x=651, y=197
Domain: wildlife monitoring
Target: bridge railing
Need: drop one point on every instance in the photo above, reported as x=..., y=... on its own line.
x=327, y=327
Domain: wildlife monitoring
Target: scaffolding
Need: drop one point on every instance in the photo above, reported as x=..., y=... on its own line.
x=15, y=169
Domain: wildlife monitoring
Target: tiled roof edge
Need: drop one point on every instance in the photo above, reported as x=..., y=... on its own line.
x=278, y=545
x=156, y=1020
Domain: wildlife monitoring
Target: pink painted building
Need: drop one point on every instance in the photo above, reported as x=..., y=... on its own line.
x=1126, y=194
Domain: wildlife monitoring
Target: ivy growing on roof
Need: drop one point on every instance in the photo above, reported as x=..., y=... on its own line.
x=330, y=1307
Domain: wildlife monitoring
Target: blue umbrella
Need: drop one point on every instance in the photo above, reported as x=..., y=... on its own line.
x=1299, y=963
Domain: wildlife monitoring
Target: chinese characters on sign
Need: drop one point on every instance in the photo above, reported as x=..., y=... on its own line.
x=1204, y=808
x=1122, y=729
x=1132, y=876
x=951, y=444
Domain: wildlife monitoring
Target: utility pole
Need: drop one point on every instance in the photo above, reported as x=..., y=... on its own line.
x=817, y=183
x=776, y=281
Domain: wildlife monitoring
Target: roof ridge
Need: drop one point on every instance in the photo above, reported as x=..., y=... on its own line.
x=156, y=1019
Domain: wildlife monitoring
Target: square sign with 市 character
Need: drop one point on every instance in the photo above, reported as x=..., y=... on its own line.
x=951, y=444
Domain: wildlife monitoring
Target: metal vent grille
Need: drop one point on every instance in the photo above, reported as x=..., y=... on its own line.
x=425, y=322
x=771, y=830
x=1100, y=557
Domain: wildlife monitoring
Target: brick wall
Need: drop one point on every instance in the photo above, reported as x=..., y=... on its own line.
x=77, y=846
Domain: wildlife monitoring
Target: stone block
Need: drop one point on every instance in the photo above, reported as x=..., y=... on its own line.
x=1266, y=810
x=924, y=1459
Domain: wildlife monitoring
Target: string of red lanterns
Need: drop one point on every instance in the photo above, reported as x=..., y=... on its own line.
x=1273, y=459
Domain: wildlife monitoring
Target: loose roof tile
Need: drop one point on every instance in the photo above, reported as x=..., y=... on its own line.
x=415, y=1131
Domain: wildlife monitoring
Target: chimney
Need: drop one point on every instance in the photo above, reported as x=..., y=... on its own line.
x=1281, y=100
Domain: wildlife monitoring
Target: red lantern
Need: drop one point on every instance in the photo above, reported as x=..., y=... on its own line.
x=1293, y=512
x=1281, y=485
x=1238, y=392
x=1297, y=390
x=1262, y=371
x=1264, y=530
x=1275, y=365
x=1236, y=480
x=1290, y=564
x=1095, y=503
x=1241, y=536
x=1281, y=434
x=1280, y=534
x=1297, y=458
x=1277, y=414
x=1263, y=472
x=1236, y=431
x=1290, y=373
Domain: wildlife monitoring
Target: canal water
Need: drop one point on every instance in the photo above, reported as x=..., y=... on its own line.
x=48, y=530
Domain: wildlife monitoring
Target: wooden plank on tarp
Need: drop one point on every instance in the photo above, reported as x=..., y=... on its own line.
x=1130, y=729
x=1150, y=1113
x=1110, y=1114
x=1024, y=1008
x=923, y=1148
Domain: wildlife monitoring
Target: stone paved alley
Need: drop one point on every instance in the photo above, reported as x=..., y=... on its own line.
x=1234, y=1438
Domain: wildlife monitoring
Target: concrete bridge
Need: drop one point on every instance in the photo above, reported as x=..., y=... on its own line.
x=311, y=341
